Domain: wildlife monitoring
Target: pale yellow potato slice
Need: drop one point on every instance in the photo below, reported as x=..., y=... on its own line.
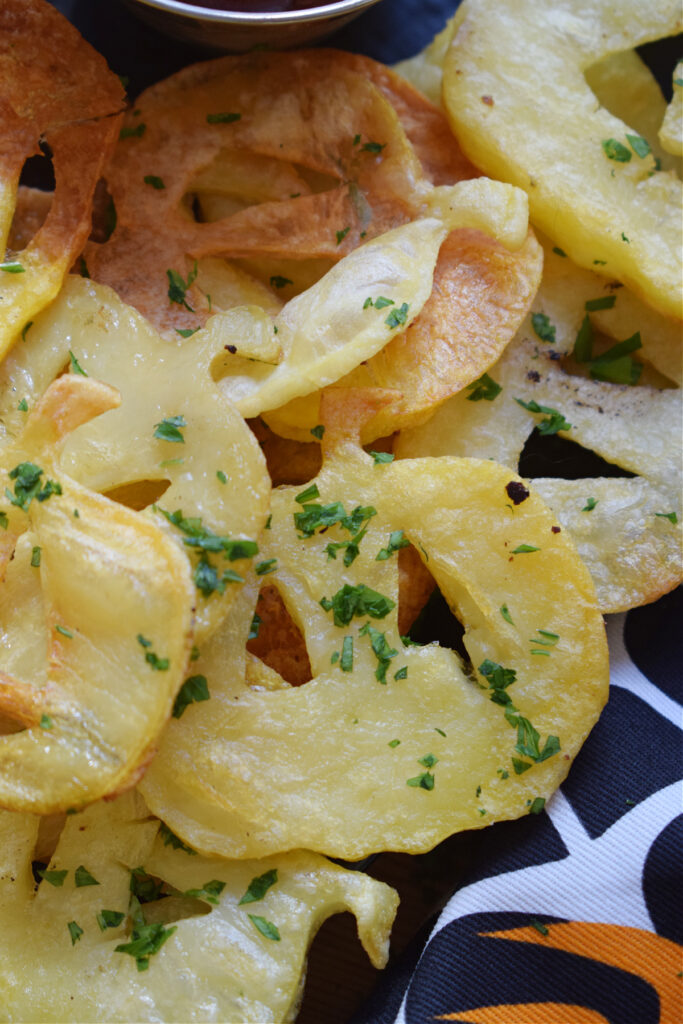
x=158, y=379
x=255, y=771
x=111, y=630
x=519, y=103
x=631, y=549
x=332, y=327
x=671, y=132
x=425, y=69
x=216, y=965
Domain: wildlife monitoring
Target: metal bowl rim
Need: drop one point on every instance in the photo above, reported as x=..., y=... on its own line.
x=262, y=18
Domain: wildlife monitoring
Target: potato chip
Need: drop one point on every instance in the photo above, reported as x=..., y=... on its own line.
x=671, y=132
x=318, y=765
x=378, y=289
x=127, y=925
x=67, y=104
x=627, y=530
x=425, y=69
x=309, y=171
x=174, y=431
x=480, y=295
x=88, y=556
x=521, y=108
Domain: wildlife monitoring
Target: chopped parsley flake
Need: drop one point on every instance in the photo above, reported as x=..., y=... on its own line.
x=157, y=663
x=543, y=328
x=12, y=267
x=65, y=632
x=267, y=928
x=504, y=611
x=346, y=663
x=318, y=431
x=559, y=252
x=208, y=580
x=109, y=919
x=590, y=504
x=178, y=287
x=498, y=679
x=75, y=931
x=186, y=332
x=23, y=405
x=383, y=652
x=220, y=475
x=372, y=147
x=209, y=892
x=671, y=516
x=25, y=329
x=146, y=939
x=4, y=521
x=169, y=429
x=35, y=557
x=615, y=150
x=396, y=542
x=397, y=317
x=350, y=601
x=341, y=235
x=583, y=345
x=55, y=878
x=440, y=731
x=537, y=805
x=267, y=566
x=381, y=303
x=154, y=181
x=45, y=722
x=428, y=761
x=524, y=549
x=255, y=626
x=541, y=928
x=83, y=877
x=194, y=690
x=279, y=282
x=259, y=886
x=484, y=388
x=639, y=145
x=402, y=673
x=305, y=496
x=424, y=781
x=382, y=458
x=28, y=485
x=393, y=743
x=172, y=840
x=223, y=118
x=200, y=537
x=616, y=365
x=553, y=421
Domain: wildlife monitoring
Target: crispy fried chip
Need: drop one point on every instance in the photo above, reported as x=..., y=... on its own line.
x=174, y=429
x=480, y=295
x=521, y=107
x=56, y=91
x=317, y=765
x=92, y=556
x=671, y=132
x=229, y=943
x=316, y=169
x=626, y=530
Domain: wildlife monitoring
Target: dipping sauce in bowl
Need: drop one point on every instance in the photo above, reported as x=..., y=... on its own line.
x=239, y=25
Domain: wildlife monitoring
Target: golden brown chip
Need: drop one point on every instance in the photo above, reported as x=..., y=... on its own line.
x=56, y=91
x=366, y=147
x=480, y=296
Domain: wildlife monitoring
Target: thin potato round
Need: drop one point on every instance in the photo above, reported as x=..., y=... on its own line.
x=174, y=431
x=480, y=295
x=210, y=960
x=671, y=132
x=370, y=145
x=317, y=765
x=66, y=102
x=629, y=533
x=520, y=105
x=92, y=556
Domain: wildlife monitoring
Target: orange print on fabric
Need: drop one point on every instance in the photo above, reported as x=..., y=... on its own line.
x=649, y=956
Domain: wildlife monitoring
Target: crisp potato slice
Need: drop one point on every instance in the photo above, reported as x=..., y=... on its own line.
x=210, y=462
x=311, y=171
x=67, y=104
x=519, y=103
x=208, y=960
x=353, y=311
x=480, y=295
x=91, y=556
x=317, y=765
x=632, y=550
x=671, y=132
x=425, y=69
